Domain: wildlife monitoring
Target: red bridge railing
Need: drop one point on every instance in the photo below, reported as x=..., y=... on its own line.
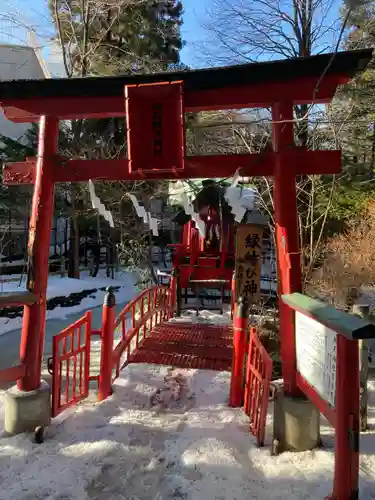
x=12, y=374
x=251, y=374
x=257, y=386
x=15, y=299
x=137, y=319
x=70, y=365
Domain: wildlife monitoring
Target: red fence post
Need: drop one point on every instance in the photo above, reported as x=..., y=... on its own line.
x=233, y=294
x=240, y=326
x=106, y=356
x=257, y=386
x=347, y=421
x=178, y=292
x=33, y=326
x=173, y=288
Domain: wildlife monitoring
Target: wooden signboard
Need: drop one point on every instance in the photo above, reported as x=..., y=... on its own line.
x=327, y=372
x=316, y=347
x=248, y=261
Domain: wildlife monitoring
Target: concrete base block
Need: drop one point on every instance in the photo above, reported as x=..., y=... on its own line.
x=25, y=411
x=296, y=424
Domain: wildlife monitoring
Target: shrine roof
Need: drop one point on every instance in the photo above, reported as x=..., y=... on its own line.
x=342, y=64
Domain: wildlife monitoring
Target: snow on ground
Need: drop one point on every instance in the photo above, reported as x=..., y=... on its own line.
x=143, y=444
x=205, y=316
x=169, y=434
x=58, y=286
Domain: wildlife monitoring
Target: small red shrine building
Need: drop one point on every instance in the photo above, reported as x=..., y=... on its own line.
x=209, y=259
x=206, y=260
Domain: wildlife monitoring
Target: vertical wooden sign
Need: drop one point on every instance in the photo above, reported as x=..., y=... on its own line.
x=248, y=261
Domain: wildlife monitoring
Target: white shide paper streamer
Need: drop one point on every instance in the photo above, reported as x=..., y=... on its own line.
x=98, y=205
x=233, y=196
x=146, y=216
x=189, y=210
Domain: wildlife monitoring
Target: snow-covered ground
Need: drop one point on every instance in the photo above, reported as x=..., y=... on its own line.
x=58, y=286
x=169, y=434
x=132, y=447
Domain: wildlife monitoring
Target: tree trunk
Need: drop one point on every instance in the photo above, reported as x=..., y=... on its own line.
x=371, y=173
x=74, y=239
x=363, y=312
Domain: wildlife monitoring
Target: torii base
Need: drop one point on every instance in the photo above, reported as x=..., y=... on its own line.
x=27, y=411
x=296, y=424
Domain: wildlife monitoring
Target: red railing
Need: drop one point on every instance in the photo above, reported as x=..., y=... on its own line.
x=70, y=365
x=15, y=299
x=12, y=374
x=139, y=317
x=257, y=386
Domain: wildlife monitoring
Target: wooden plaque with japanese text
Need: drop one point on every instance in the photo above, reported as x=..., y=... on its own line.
x=248, y=261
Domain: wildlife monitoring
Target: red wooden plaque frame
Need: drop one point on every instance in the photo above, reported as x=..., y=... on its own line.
x=155, y=127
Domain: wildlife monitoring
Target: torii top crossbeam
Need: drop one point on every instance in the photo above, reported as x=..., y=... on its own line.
x=297, y=81
x=241, y=86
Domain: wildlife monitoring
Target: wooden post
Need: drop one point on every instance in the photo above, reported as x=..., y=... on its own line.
x=10, y=252
x=286, y=228
x=363, y=311
x=346, y=474
x=33, y=327
x=178, y=292
x=62, y=266
x=233, y=294
x=106, y=355
x=173, y=287
x=241, y=325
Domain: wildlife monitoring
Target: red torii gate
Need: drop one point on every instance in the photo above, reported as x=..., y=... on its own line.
x=154, y=106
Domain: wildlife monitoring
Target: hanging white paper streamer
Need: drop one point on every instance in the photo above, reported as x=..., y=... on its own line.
x=98, y=205
x=233, y=198
x=232, y=195
x=235, y=179
x=239, y=213
x=146, y=216
x=236, y=201
x=141, y=212
x=153, y=223
x=189, y=210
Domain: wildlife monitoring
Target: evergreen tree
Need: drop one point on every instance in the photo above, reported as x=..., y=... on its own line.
x=358, y=98
x=104, y=37
x=109, y=37
x=352, y=115
x=18, y=149
x=14, y=198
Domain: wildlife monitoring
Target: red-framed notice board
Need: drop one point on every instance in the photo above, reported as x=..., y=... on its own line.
x=327, y=372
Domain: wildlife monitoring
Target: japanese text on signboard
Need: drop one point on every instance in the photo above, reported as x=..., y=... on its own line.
x=248, y=261
x=316, y=355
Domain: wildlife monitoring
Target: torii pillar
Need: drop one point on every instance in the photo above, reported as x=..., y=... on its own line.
x=296, y=419
x=286, y=231
x=28, y=405
x=34, y=316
